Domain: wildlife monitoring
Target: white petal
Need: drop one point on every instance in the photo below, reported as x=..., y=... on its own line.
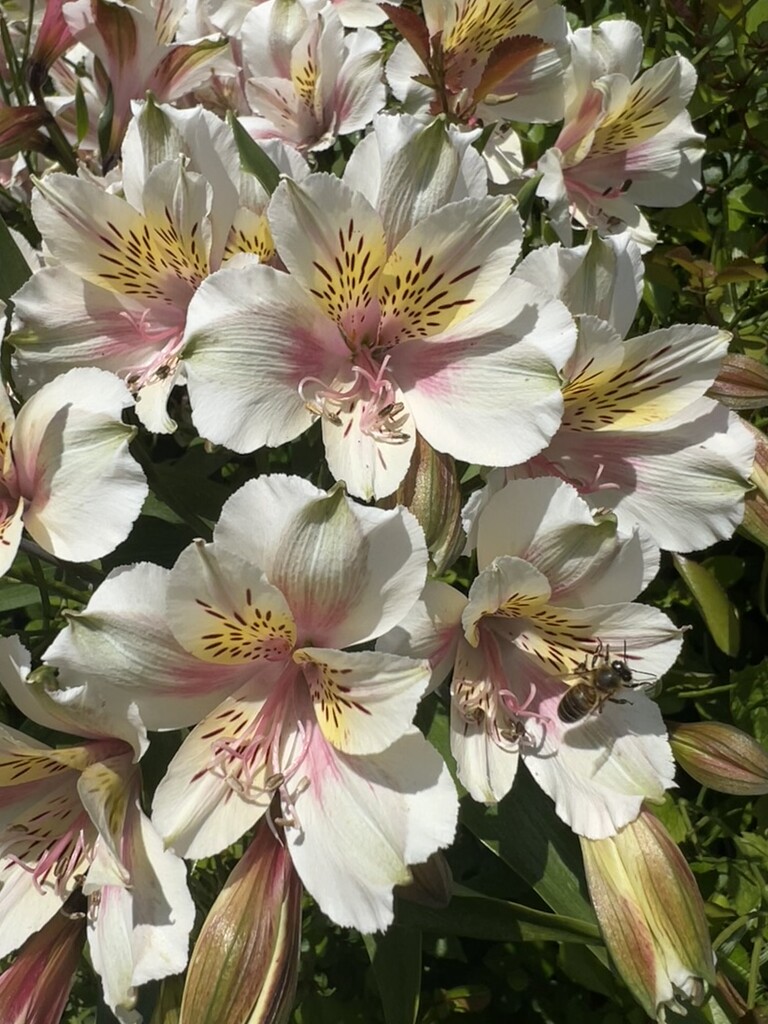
x=122, y=652
x=71, y=454
x=364, y=820
x=364, y=702
x=253, y=336
x=347, y=583
x=600, y=770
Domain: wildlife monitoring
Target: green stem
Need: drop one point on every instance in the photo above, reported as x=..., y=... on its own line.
x=740, y=14
x=754, y=971
x=42, y=585
x=22, y=576
x=695, y=694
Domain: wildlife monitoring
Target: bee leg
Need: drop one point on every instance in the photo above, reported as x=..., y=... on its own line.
x=618, y=700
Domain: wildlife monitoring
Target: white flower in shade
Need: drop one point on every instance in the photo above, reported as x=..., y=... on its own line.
x=71, y=819
x=638, y=436
x=306, y=80
x=626, y=140
x=66, y=473
x=249, y=634
x=123, y=268
x=379, y=336
x=479, y=59
x=552, y=600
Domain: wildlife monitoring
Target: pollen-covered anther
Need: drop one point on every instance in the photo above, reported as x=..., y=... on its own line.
x=381, y=416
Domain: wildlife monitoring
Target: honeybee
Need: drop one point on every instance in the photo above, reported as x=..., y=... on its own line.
x=603, y=679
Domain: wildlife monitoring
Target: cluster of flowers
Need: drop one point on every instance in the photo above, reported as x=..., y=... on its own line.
x=389, y=302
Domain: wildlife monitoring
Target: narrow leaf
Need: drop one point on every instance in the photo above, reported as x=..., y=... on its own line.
x=396, y=961
x=712, y=601
x=14, y=270
x=253, y=159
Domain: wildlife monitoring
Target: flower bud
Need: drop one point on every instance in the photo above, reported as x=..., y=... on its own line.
x=755, y=522
x=36, y=985
x=721, y=757
x=431, y=492
x=244, y=967
x=651, y=915
x=742, y=383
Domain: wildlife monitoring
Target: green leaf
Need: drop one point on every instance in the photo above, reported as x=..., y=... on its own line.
x=81, y=113
x=14, y=270
x=475, y=916
x=396, y=960
x=749, y=700
x=17, y=595
x=717, y=611
x=253, y=159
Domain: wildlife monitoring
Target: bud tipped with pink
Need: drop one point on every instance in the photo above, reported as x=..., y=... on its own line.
x=721, y=757
x=651, y=915
x=35, y=988
x=244, y=966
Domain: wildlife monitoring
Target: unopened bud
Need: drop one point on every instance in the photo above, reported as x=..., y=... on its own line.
x=36, y=985
x=20, y=130
x=431, y=492
x=755, y=522
x=742, y=383
x=721, y=757
x=244, y=967
x=651, y=915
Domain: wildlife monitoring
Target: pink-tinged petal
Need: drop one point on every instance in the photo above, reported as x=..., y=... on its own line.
x=35, y=988
x=370, y=465
x=685, y=484
x=447, y=266
x=62, y=321
x=430, y=631
x=666, y=170
x=221, y=609
x=486, y=764
x=493, y=398
x=140, y=931
x=332, y=242
x=363, y=702
x=11, y=529
x=253, y=338
x=84, y=489
x=353, y=97
x=186, y=66
x=349, y=573
x=509, y=587
x=122, y=652
x=221, y=780
x=21, y=902
x=601, y=769
x=363, y=820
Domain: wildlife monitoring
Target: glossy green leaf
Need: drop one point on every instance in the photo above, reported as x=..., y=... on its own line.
x=396, y=961
x=712, y=601
x=253, y=159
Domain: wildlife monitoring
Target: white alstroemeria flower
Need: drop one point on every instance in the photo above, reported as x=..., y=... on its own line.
x=626, y=140
x=306, y=80
x=66, y=473
x=552, y=598
x=638, y=436
x=123, y=269
x=379, y=340
x=71, y=818
x=249, y=634
x=485, y=60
